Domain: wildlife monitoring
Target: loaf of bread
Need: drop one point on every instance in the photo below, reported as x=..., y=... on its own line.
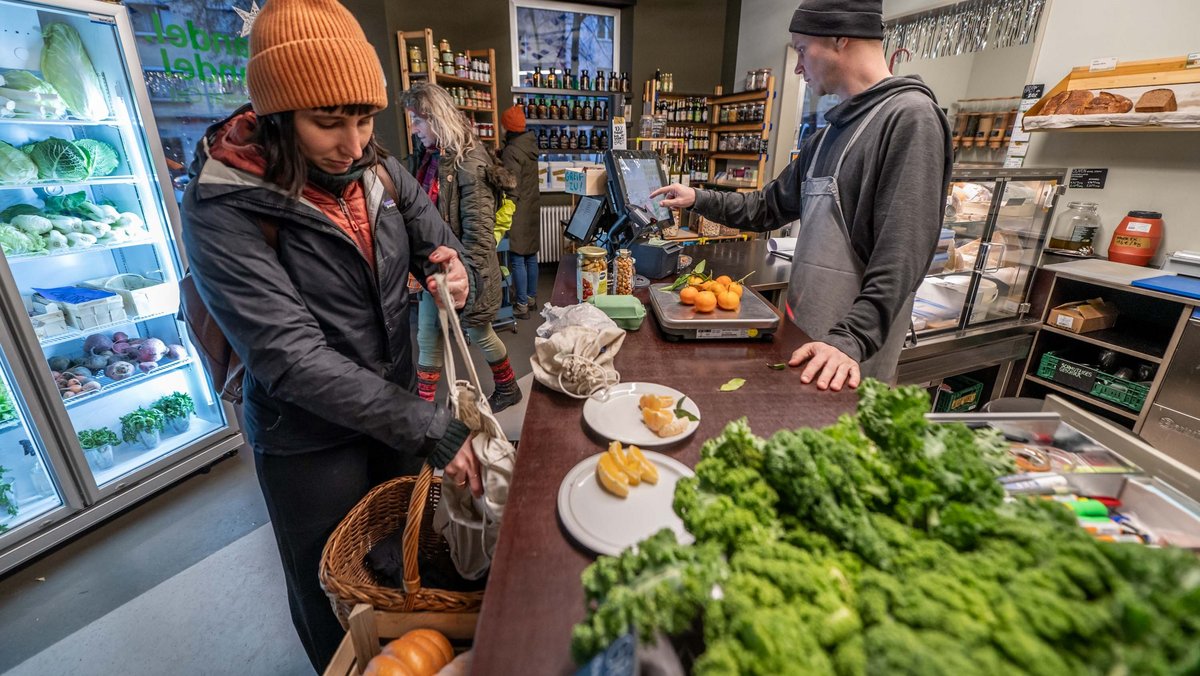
x=1107, y=103
x=1073, y=103
x=1157, y=101
x=1051, y=105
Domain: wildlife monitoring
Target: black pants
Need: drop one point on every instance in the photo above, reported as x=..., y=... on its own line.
x=307, y=496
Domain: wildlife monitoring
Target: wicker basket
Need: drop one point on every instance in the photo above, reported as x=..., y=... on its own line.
x=344, y=574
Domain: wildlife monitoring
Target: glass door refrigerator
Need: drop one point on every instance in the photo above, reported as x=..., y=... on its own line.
x=106, y=398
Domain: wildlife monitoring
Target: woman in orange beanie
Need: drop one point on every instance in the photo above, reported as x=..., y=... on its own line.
x=464, y=180
x=520, y=155
x=301, y=233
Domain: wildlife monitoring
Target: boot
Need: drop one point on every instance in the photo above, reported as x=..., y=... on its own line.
x=427, y=382
x=507, y=392
x=521, y=311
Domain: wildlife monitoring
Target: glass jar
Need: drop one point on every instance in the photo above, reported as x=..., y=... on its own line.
x=591, y=274
x=1075, y=229
x=624, y=271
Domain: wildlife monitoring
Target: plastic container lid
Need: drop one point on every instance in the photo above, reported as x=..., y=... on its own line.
x=1146, y=214
x=627, y=311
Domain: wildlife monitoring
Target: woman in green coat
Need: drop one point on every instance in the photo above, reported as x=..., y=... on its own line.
x=520, y=157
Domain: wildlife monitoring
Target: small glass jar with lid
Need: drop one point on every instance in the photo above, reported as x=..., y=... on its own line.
x=624, y=271
x=1075, y=229
x=591, y=274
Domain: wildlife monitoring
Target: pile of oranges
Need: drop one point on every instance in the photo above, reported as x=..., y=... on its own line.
x=707, y=295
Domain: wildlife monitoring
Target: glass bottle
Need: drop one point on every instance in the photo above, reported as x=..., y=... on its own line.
x=587, y=111
x=572, y=140
x=584, y=142
x=625, y=82
x=576, y=112
x=598, y=83
x=554, y=141
x=537, y=76
x=1075, y=229
x=552, y=80
x=624, y=271
x=585, y=82
x=543, y=111
x=542, y=140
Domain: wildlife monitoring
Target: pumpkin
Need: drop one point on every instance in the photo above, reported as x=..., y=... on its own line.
x=423, y=652
x=387, y=665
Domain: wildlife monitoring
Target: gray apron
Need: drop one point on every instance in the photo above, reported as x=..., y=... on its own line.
x=827, y=274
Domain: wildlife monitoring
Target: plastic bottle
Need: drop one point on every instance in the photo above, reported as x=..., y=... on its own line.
x=1136, y=240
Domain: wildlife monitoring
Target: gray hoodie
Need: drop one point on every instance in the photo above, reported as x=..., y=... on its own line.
x=892, y=187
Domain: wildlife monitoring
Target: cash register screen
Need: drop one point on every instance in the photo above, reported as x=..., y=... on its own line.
x=638, y=174
x=582, y=226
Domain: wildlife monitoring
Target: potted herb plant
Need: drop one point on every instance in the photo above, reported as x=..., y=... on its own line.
x=98, y=446
x=177, y=408
x=143, y=425
x=8, y=498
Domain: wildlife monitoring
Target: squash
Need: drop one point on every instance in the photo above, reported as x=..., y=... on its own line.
x=387, y=665
x=422, y=651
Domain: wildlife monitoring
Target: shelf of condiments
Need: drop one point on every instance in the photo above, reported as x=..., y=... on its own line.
x=690, y=109
x=984, y=128
x=742, y=112
x=471, y=98
x=564, y=78
x=741, y=143
x=572, y=139
x=485, y=130
x=693, y=139
x=449, y=62
x=583, y=109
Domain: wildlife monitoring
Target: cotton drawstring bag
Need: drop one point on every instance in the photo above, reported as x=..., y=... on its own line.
x=574, y=350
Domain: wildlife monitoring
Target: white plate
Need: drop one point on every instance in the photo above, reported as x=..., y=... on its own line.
x=614, y=414
x=607, y=524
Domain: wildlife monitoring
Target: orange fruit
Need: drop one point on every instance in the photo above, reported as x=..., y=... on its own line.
x=635, y=456
x=728, y=300
x=655, y=401
x=695, y=280
x=633, y=473
x=717, y=288
x=611, y=477
x=725, y=279
x=418, y=654
x=656, y=418
x=706, y=301
x=736, y=287
x=676, y=426
x=687, y=295
x=387, y=665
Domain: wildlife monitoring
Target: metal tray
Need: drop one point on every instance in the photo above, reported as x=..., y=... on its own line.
x=756, y=318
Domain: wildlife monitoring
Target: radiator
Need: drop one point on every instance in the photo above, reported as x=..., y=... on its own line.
x=552, y=243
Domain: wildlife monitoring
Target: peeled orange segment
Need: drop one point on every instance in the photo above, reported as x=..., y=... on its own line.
x=611, y=477
x=634, y=456
x=655, y=419
x=655, y=401
x=632, y=472
x=676, y=426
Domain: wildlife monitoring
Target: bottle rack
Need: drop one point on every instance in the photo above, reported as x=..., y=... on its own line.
x=604, y=105
x=479, y=103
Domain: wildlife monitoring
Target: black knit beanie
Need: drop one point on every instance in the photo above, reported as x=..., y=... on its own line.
x=839, y=18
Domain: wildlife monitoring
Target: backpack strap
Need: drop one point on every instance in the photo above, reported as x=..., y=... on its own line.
x=385, y=177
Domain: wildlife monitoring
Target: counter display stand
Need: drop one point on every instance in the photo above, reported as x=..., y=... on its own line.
x=477, y=90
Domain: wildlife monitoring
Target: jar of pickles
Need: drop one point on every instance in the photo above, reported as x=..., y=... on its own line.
x=623, y=272
x=591, y=274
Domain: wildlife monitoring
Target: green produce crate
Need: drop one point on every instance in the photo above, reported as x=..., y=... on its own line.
x=958, y=394
x=1095, y=382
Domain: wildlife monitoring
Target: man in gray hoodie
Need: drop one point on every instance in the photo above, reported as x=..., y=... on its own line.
x=869, y=191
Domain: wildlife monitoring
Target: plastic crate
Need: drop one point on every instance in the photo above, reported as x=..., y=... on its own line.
x=958, y=394
x=141, y=297
x=1108, y=387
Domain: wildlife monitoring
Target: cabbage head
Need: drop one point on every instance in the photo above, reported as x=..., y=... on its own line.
x=68, y=68
x=60, y=160
x=15, y=166
x=102, y=158
x=23, y=80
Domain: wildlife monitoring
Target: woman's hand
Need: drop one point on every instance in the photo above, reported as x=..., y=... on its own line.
x=463, y=470
x=456, y=276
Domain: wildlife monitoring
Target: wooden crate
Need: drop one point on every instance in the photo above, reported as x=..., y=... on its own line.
x=371, y=629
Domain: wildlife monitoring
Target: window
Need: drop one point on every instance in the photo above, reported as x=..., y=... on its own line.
x=561, y=35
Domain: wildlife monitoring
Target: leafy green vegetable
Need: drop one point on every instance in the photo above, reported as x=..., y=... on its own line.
x=141, y=420
x=19, y=210
x=15, y=166
x=56, y=240
x=32, y=224
x=7, y=410
x=25, y=81
x=14, y=241
x=102, y=158
x=95, y=438
x=733, y=384
x=60, y=160
x=67, y=66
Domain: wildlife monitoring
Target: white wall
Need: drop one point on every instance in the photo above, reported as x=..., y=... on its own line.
x=1158, y=171
x=763, y=40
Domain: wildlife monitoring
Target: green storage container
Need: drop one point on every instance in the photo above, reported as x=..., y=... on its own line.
x=958, y=394
x=627, y=311
x=1127, y=393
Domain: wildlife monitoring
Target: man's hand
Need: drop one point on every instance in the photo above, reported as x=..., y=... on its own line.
x=830, y=366
x=678, y=196
x=456, y=276
x=463, y=470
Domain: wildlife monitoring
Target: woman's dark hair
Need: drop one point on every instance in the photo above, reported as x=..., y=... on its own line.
x=286, y=165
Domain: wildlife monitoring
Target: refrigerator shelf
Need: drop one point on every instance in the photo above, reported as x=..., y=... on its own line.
x=102, y=180
x=39, y=255
x=114, y=385
x=10, y=424
x=24, y=121
x=76, y=334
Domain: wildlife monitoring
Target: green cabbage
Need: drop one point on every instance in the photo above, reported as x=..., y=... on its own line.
x=102, y=158
x=59, y=159
x=34, y=225
x=67, y=66
x=15, y=166
x=25, y=81
x=13, y=241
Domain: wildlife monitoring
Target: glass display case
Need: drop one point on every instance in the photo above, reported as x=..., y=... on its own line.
x=89, y=280
x=995, y=226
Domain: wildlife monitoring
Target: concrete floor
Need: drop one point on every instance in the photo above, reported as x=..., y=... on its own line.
x=187, y=582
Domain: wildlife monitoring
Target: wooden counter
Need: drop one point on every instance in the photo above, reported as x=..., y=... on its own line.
x=534, y=596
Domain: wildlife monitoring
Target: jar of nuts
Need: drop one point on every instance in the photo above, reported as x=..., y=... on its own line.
x=591, y=272
x=623, y=272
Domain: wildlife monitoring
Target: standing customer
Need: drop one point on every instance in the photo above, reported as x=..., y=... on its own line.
x=520, y=155
x=462, y=178
x=869, y=191
x=300, y=250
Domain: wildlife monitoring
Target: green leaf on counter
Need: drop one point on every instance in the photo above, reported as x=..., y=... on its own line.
x=734, y=384
x=680, y=412
x=778, y=367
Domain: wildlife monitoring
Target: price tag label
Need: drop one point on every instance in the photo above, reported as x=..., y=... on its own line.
x=1193, y=60
x=619, y=141
x=1106, y=63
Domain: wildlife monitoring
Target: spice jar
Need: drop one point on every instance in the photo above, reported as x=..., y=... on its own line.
x=592, y=272
x=623, y=272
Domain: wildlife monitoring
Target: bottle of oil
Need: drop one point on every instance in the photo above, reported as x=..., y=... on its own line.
x=1075, y=229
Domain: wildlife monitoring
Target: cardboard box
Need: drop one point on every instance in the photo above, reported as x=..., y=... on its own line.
x=586, y=180
x=1083, y=316
x=557, y=181
x=543, y=176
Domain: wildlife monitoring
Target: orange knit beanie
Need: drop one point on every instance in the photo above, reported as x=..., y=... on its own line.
x=311, y=54
x=513, y=119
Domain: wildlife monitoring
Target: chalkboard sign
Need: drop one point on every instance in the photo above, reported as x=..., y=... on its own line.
x=1033, y=91
x=1088, y=179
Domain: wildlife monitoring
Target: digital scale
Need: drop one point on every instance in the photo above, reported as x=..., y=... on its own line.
x=754, y=319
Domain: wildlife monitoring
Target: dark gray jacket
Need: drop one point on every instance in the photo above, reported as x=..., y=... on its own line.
x=467, y=201
x=520, y=157
x=325, y=341
x=893, y=191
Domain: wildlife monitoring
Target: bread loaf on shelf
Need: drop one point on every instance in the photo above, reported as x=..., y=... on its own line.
x=1157, y=101
x=1107, y=103
x=1051, y=105
x=1068, y=103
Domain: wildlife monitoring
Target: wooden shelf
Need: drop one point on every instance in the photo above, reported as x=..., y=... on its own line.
x=685, y=95
x=454, y=79
x=476, y=109
x=1118, y=341
x=743, y=97
x=739, y=126
x=749, y=157
x=567, y=123
x=1083, y=396
x=729, y=185
x=689, y=236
